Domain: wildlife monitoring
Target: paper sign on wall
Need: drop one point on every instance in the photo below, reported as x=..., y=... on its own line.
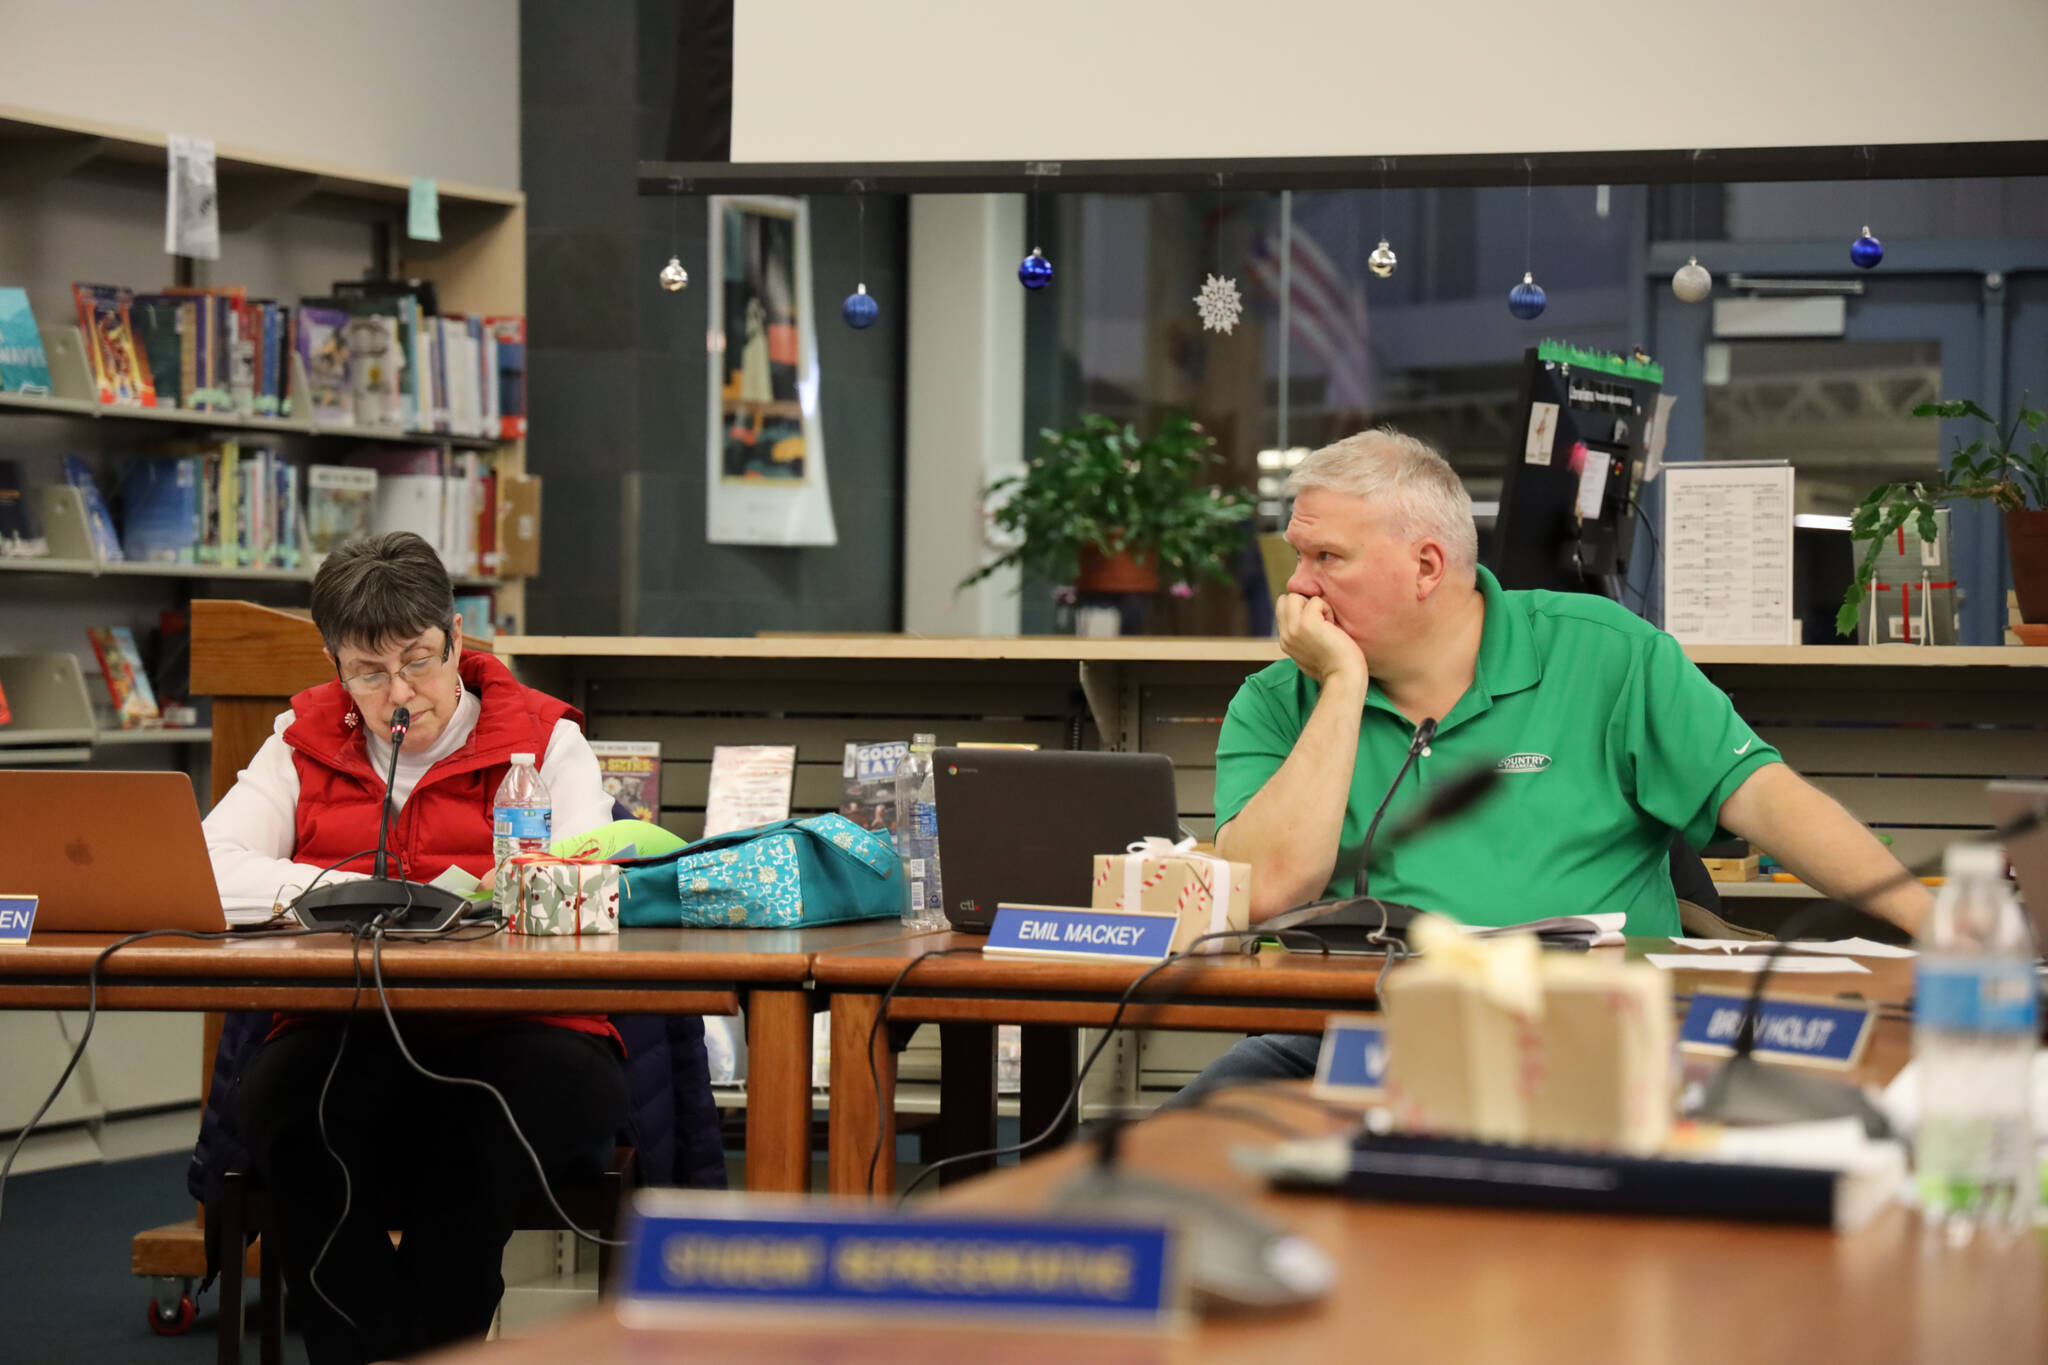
x=423, y=210
x=192, y=204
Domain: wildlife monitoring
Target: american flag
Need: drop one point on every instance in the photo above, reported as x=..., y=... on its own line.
x=1327, y=314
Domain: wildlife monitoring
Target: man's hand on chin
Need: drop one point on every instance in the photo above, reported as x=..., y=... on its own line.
x=1315, y=643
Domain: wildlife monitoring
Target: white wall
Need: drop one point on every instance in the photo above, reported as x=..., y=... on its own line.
x=1075, y=79
x=964, y=407
x=406, y=87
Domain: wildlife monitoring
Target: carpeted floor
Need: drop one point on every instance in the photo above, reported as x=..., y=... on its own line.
x=64, y=1261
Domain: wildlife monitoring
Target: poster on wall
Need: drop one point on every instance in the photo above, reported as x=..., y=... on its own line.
x=765, y=456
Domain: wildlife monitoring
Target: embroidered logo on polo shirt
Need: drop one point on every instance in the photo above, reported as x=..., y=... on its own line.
x=1523, y=763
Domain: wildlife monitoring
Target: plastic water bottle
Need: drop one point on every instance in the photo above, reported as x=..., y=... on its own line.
x=916, y=835
x=1974, y=1031
x=522, y=821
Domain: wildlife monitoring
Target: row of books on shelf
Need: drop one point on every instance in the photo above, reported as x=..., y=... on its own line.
x=374, y=353
x=231, y=504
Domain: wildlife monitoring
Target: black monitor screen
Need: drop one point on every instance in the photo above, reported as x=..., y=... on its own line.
x=1566, y=521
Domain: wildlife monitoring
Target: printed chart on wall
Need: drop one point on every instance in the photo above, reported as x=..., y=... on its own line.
x=1728, y=553
x=766, y=452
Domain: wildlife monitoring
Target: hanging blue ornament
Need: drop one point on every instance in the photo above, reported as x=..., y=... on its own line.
x=1034, y=271
x=1526, y=299
x=860, y=309
x=1866, y=251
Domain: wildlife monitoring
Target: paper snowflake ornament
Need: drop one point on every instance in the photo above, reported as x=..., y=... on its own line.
x=1219, y=304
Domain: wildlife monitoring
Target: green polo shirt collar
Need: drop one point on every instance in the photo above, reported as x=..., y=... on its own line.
x=1508, y=659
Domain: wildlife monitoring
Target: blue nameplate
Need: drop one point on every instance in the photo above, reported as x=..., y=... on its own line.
x=1057, y=931
x=1794, y=1030
x=17, y=917
x=1353, y=1064
x=692, y=1253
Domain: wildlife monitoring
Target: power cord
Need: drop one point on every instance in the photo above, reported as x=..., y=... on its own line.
x=92, y=1003
x=1643, y=516
x=1109, y=1031
x=540, y=1172
x=874, y=1069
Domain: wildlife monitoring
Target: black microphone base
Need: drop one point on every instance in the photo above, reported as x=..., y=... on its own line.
x=349, y=905
x=1745, y=1090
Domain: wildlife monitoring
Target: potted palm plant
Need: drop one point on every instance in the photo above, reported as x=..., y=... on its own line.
x=1109, y=511
x=1990, y=468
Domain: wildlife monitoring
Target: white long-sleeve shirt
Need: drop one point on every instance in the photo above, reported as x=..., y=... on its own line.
x=250, y=834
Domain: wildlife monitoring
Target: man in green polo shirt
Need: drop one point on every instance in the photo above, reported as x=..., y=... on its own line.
x=1606, y=737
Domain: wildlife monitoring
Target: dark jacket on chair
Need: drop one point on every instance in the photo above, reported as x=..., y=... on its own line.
x=673, y=1127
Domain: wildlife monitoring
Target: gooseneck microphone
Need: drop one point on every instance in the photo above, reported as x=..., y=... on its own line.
x=1452, y=799
x=406, y=906
x=1424, y=733
x=401, y=726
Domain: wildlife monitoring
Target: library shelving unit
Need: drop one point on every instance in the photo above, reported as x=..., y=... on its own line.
x=478, y=267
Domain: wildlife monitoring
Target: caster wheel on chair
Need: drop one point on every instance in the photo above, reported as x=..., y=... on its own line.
x=173, y=1319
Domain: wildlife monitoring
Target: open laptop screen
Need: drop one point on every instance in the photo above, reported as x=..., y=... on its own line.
x=1023, y=826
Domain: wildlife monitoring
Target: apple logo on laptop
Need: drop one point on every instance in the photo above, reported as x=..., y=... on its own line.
x=79, y=852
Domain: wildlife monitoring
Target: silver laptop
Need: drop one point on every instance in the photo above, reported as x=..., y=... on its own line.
x=106, y=852
x=2012, y=801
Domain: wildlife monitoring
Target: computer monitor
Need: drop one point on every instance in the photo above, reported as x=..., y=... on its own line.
x=1566, y=519
x=1823, y=563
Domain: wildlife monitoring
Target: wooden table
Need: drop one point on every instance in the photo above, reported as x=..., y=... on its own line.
x=638, y=971
x=1418, y=1283
x=969, y=995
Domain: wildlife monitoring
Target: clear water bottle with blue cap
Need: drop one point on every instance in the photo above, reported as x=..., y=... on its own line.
x=1975, y=1027
x=522, y=821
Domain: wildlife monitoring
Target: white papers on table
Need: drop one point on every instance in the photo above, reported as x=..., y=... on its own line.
x=1728, y=553
x=1744, y=963
x=750, y=785
x=1843, y=947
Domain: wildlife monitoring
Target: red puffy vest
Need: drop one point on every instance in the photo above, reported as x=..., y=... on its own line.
x=447, y=817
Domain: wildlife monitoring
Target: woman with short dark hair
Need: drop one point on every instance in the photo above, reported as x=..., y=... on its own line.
x=398, y=1150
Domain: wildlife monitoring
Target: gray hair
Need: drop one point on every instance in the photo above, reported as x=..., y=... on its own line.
x=378, y=589
x=1419, y=485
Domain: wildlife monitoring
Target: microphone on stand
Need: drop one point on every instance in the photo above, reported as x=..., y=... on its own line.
x=1747, y=1090
x=412, y=906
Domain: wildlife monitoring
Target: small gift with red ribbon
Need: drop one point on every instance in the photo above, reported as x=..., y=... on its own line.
x=1159, y=877
x=563, y=895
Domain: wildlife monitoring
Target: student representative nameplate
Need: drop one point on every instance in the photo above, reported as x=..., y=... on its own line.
x=689, y=1254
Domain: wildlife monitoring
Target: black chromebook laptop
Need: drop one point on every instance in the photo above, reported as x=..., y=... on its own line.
x=1023, y=826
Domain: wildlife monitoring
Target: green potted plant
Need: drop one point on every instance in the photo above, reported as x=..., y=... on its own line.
x=1109, y=511
x=1989, y=468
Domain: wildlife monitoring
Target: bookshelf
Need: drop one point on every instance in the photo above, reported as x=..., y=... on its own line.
x=49, y=164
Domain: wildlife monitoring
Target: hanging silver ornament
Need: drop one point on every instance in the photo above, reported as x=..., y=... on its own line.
x=1382, y=260
x=1692, y=282
x=673, y=276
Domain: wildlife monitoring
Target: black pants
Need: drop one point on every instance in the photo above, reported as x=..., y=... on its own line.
x=437, y=1161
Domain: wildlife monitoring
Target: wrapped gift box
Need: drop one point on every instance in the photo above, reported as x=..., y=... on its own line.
x=1500, y=1041
x=563, y=896
x=1207, y=893
x=1912, y=598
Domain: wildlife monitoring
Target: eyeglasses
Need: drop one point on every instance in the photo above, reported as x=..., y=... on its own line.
x=414, y=673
